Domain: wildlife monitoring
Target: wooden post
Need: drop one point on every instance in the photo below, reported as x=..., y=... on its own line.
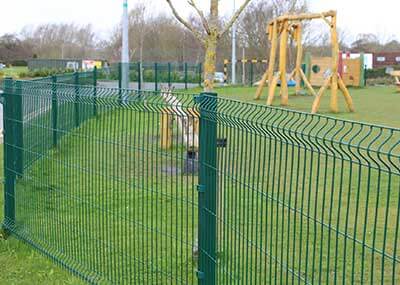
x=166, y=129
x=317, y=100
x=335, y=62
x=346, y=94
x=272, y=87
x=272, y=56
x=307, y=83
x=299, y=58
x=270, y=72
x=282, y=63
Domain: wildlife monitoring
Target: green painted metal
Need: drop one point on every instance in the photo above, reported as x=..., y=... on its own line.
x=95, y=72
x=54, y=109
x=208, y=196
x=274, y=195
x=200, y=73
x=184, y=73
x=76, y=105
x=9, y=156
x=139, y=71
x=18, y=129
x=186, y=76
x=169, y=73
x=120, y=77
x=155, y=76
x=362, y=82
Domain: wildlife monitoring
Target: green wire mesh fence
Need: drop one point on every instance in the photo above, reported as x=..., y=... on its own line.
x=152, y=75
x=258, y=195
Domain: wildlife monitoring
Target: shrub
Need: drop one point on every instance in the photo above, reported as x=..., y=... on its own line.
x=386, y=80
x=378, y=72
x=19, y=62
x=23, y=74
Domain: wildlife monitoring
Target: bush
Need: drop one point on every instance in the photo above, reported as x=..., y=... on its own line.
x=378, y=72
x=387, y=80
x=19, y=63
x=23, y=74
x=44, y=72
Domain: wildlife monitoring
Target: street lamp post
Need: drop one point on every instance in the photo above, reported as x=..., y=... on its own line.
x=125, y=47
x=234, y=47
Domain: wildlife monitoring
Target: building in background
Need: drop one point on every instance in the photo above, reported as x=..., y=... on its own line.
x=386, y=59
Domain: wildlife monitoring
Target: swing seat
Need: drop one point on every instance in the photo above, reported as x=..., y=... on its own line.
x=290, y=83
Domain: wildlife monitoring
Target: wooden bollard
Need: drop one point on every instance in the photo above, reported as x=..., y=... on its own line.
x=166, y=128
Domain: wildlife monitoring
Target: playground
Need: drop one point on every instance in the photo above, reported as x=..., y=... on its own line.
x=154, y=173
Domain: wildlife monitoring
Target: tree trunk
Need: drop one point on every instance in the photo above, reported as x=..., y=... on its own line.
x=210, y=61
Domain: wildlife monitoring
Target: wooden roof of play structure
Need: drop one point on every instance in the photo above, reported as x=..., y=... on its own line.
x=289, y=24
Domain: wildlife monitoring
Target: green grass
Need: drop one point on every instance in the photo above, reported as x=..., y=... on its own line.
x=377, y=104
x=21, y=264
x=14, y=71
x=112, y=164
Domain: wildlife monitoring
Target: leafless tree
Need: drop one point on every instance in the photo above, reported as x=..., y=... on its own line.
x=209, y=35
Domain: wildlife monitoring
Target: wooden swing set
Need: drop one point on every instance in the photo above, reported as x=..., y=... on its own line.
x=291, y=25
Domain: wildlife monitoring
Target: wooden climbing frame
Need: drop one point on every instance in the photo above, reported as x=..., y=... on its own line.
x=291, y=25
x=396, y=75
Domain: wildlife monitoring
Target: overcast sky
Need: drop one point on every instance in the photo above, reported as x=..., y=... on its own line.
x=379, y=17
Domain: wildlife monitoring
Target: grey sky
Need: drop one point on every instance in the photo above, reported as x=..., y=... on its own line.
x=379, y=17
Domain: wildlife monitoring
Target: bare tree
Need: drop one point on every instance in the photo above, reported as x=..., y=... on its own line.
x=12, y=48
x=209, y=35
x=61, y=40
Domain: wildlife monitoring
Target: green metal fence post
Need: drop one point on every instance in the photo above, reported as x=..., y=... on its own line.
x=207, y=190
x=76, y=104
x=186, y=75
x=120, y=78
x=155, y=76
x=169, y=74
x=139, y=68
x=54, y=109
x=9, y=156
x=18, y=129
x=95, y=91
x=200, y=74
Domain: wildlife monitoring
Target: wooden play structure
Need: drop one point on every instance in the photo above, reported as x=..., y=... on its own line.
x=396, y=75
x=291, y=25
x=351, y=70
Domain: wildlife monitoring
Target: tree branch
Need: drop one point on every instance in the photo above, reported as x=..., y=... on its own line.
x=185, y=23
x=234, y=18
x=201, y=14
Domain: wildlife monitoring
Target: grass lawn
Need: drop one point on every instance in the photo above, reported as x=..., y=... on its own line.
x=14, y=71
x=377, y=104
x=111, y=173
x=21, y=264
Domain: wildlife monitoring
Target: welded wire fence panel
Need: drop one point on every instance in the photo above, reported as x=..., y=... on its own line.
x=304, y=199
x=105, y=199
x=41, y=106
x=153, y=75
x=133, y=187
